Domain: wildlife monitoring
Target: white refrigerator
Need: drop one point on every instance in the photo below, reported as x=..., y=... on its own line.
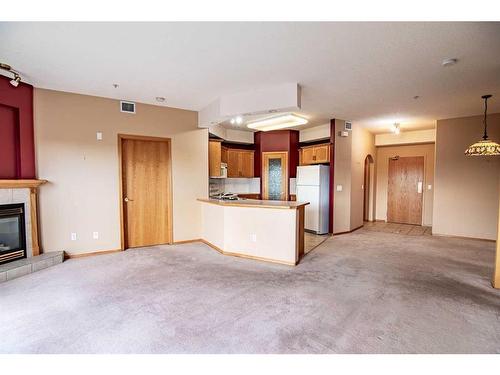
x=313, y=182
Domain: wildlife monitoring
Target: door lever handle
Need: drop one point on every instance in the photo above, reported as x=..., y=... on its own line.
x=128, y=200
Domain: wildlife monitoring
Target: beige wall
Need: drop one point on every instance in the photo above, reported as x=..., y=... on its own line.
x=383, y=155
x=342, y=176
x=350, y=154
x=406, y=137
x=363, y=144
x=466, y=193
x=82, y=195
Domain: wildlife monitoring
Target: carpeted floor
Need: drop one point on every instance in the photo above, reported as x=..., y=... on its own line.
x=365, y=292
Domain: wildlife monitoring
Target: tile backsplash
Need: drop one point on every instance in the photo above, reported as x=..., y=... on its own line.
x=235, y=185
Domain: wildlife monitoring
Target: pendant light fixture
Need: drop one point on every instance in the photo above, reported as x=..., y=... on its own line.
x=485, y=147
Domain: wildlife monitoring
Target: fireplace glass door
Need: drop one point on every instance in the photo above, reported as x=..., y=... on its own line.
x=12, y=232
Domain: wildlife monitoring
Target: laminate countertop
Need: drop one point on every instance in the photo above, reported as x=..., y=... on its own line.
x=255, y=203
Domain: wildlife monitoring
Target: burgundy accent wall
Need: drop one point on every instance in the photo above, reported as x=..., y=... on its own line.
x=332, y=175
x=277, y=140
x=257, y=136
x=16, y=131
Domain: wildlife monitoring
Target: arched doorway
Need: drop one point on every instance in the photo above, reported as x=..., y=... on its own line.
x=368, y=189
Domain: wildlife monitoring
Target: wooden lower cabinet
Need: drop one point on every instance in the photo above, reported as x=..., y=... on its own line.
x=240, y=163
x=316, y=154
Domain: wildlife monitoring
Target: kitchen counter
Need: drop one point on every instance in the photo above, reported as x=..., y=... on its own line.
x=271, y=231
x=255, y=203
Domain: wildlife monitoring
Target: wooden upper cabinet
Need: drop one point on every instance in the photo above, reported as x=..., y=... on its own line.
x=240, y=163
x=316, y=154
x=232, y=163
x=223, y=154
x=214, y=158
x=246, y=166
x=322, y=153
x=307, y=155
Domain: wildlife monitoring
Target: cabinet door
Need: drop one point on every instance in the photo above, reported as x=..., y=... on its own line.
x=214, y=158
x=246, y=166
x=322, y=154
x=307, y=155
x=223, y=154
x=233, y=169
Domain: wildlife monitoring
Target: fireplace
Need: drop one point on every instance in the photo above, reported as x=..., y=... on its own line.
x=12, y=232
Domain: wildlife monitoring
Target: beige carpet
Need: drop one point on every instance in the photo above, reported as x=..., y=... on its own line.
x=365, y=292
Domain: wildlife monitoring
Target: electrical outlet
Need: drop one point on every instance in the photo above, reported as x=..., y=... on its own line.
x=254, y=237
x=95, y=235
x=73, y=236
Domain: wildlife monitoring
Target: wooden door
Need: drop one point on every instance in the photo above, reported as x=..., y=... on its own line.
x=233, y=169
x=275, y=175
x=321, y=154
x=307, y=156
x=146, y=191
x=405, y=190
x=246, y=164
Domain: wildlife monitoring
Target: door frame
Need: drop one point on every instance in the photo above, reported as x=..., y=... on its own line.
x=283, y=154
x=121, y=138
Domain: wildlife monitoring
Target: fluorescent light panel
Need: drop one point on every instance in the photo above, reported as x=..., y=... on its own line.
x=277, y=122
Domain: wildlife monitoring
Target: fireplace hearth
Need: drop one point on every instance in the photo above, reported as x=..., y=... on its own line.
x=12, y=232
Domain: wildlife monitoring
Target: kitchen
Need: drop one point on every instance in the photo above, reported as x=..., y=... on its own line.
x=279, y=169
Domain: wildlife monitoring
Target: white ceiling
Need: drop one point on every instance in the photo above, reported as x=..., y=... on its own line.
x=364, y=72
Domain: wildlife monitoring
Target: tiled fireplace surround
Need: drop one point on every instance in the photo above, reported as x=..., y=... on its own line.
x=25, y=191
x=21, y=195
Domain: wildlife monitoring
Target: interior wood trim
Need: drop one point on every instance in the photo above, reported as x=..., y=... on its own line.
x=20, y=184
x=239, y=255
x=462, y=237
x=35, y=245
x=187, y=241
x=90, y=254
x=120, y=138
x=349, y=231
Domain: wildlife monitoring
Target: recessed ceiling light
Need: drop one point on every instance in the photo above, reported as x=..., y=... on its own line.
x=239, y=120
x=449, y=62
x=160, y=99
x=116, y=85
x=232, y=121
x=286, y=120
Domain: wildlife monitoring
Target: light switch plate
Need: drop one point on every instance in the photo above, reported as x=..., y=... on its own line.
x=339, y=187
x=99, y=136
x=95, y=235
x=429, y=187
x=73, y=236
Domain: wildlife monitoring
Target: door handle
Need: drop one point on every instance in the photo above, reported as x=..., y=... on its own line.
x=419, y=187
x=128, y=200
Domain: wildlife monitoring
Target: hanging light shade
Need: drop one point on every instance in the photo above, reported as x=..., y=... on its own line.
x=484, y=147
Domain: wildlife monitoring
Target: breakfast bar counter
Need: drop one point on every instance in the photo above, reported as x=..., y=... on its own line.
x=265, y=230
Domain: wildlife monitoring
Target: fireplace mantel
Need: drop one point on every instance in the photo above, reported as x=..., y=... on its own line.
x=21, y=184
x=32, y=185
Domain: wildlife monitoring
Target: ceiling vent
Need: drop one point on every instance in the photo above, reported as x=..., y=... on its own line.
x=348, y=125
x=128, y=107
